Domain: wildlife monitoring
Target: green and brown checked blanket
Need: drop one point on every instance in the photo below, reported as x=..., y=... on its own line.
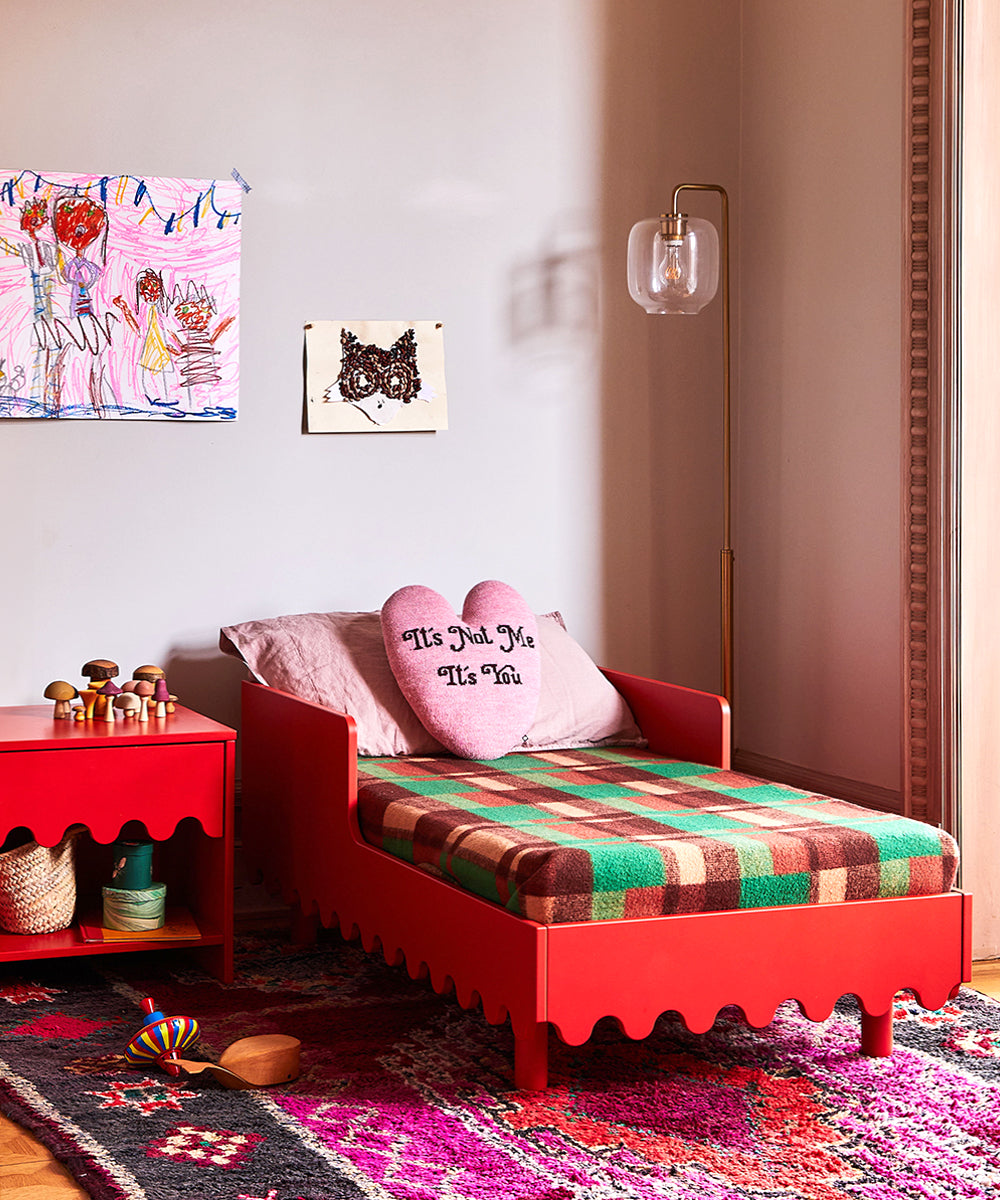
x=593, y=835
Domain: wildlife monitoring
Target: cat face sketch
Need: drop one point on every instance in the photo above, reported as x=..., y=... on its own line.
x=366, y=369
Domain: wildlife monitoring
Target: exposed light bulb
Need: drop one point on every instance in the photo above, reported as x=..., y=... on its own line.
x=671, y=268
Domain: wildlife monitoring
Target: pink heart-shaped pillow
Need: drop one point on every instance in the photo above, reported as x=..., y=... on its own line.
x=473, y=680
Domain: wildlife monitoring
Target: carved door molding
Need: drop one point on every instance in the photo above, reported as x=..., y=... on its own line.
x=930, y=437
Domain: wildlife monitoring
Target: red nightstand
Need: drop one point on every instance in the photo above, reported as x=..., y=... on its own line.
x=173, y=774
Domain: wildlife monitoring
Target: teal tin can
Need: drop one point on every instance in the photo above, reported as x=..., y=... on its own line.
x=133, y=865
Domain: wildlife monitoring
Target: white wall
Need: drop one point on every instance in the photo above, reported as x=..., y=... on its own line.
x=429, y=159
x=407, y=160
x=444, y=159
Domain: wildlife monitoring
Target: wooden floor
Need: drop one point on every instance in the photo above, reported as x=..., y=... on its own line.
x=29, y=1172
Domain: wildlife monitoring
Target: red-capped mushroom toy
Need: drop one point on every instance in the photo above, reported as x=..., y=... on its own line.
x=109, y=691
x=161, y=694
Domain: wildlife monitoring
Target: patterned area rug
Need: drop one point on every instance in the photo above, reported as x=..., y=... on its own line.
x=405, y=1096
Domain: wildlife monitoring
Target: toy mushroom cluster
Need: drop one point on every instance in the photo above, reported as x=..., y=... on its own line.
x=145, y=694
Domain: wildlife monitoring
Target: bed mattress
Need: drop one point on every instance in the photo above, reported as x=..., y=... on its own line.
x=600, y=834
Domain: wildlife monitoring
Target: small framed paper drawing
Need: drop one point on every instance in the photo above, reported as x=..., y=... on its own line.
x=375, y=377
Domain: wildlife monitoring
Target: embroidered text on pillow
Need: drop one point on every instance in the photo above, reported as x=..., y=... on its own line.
x=473, y=682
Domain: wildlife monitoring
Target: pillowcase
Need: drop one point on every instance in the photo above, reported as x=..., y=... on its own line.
x=472, y=680
x=339, y=659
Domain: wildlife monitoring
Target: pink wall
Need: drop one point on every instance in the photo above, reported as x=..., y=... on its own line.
x=819, y=429
x=671, y=115
x=797, y=109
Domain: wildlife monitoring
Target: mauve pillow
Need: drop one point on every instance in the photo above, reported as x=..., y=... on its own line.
x=339, y=659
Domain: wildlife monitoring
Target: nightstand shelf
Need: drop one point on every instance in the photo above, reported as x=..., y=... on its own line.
x=15, y=947
x=170, y=778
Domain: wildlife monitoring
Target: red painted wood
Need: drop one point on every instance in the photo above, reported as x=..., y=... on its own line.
x=156, y=784
x=531, y=1059
x=173, y=774
x=677, y=721
x=755, y=958
x=300, y=830
x=876, y=1034
x=32, y=727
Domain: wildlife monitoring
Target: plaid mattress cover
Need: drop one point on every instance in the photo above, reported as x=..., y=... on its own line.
x=593, y=835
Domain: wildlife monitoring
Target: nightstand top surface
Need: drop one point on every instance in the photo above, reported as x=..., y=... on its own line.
x=33, y=727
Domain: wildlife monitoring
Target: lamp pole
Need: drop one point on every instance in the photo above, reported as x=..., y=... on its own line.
x=727, y=497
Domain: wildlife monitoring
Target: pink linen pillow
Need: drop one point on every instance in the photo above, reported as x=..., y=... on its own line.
x=578, y=706
x=473, y=680
x=338, y=659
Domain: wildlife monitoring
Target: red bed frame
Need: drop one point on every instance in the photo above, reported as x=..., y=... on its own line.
x=300, y=831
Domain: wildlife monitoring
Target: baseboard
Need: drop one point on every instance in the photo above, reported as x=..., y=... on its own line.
x=868, y=794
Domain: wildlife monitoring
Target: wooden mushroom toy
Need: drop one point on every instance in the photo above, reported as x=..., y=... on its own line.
x=129, y=703
x=62, y=693
x=144, y=690
x=109, y=690
x=97, y=671
x=89, y=698
x=150, y=673
x=161, y=694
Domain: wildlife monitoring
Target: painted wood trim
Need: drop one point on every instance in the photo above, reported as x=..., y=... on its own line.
x=819, y=782
x=930, y=443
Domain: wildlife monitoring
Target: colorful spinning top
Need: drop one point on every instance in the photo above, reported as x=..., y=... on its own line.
x=160, y=1038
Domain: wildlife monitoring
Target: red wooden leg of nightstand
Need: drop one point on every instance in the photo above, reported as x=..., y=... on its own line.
x=876, y=1034
x=216, y=960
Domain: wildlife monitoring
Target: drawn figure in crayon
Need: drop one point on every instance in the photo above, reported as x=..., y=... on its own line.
x=40, y=257
x=194, y=348
x=11, y=383
x=34, y=216
x=80, y=224
x=154, y=360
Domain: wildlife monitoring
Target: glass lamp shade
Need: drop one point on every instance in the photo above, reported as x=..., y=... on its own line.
x=673, y=276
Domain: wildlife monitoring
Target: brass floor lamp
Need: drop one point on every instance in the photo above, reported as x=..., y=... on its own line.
x=673, y=267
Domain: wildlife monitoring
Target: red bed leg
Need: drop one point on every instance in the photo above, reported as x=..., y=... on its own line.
x=531, y=1059
x=876, y=1034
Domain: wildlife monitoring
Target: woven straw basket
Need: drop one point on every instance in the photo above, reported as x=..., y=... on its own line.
x=38, y=886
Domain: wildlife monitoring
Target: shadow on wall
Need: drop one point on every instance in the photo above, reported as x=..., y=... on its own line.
x=658, y=566
x=205, y=679
x=670, y=101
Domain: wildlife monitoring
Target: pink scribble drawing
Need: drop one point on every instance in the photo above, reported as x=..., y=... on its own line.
x=115, y=294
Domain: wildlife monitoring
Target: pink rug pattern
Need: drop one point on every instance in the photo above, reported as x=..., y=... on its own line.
x=403, y=1096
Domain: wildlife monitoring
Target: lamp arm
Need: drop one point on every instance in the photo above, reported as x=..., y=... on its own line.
x=727, y=549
